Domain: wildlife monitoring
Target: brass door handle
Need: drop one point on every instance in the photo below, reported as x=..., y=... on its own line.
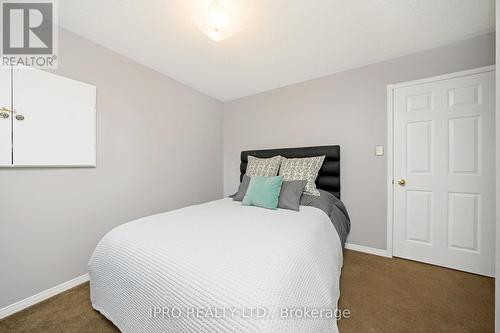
x=401, y=182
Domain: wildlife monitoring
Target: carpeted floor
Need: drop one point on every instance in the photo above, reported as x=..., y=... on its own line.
x=382, y=295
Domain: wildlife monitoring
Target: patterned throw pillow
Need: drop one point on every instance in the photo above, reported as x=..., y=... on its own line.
x=302, y=169
x=265, y=167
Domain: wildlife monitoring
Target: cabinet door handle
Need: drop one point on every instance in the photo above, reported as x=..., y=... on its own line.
x=4, y=109
x=20, y=117
x=4, y=115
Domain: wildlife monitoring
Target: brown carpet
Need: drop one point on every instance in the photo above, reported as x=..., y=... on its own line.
x=383, y=295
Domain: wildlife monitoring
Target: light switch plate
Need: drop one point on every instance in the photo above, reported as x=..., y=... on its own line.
x=379, y=150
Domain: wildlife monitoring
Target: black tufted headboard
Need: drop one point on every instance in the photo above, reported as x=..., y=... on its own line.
x=329, y=174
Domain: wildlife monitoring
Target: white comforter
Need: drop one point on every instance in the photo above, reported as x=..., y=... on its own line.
x=220, y=267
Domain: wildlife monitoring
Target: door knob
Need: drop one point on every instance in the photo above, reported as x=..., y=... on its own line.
x=402, y=182
x=4, y=115
x=20, y=117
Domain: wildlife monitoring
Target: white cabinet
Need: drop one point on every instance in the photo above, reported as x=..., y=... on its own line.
x=53, y=122
x=5, y=119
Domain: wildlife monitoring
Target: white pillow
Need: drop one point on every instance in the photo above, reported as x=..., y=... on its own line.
x=302, y=169
x=265, y=167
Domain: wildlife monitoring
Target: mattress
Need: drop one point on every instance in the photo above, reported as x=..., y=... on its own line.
x=220, y=267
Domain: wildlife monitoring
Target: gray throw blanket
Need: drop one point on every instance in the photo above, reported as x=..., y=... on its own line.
x=334, y=208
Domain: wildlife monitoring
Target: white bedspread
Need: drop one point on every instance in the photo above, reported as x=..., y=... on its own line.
x=219, y=267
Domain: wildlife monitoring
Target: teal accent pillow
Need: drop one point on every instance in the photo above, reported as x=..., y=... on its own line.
x=263, y=192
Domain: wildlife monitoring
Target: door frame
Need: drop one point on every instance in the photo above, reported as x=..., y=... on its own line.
x=390, y=138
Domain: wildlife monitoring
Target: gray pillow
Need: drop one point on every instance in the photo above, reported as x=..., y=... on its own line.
x=242, y=189
x=291, y=193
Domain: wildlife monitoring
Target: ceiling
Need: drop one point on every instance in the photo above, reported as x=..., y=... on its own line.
x=273, y=43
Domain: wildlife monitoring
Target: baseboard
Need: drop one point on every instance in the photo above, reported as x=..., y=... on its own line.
x=367, y=249
x=32, y=300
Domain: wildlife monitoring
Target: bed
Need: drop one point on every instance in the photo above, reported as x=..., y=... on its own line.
x=224, y=267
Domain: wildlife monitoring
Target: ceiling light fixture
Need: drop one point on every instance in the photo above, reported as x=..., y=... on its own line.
x=216, y=21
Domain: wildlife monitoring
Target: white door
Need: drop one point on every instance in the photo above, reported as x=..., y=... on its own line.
x=55, y=120
x=5, y=118
x=444, y=134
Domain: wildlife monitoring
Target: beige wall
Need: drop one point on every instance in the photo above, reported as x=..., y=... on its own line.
x=348, y=109
x=154, y=138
